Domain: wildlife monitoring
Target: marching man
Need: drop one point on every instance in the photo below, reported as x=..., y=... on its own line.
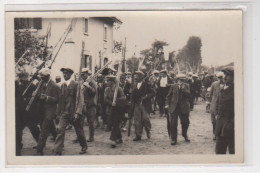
x=177, y=103
x=70, y=111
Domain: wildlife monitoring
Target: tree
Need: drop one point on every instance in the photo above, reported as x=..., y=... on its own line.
x=131, y=63
x=154, y=56
x=190, y=55
x=35, y=47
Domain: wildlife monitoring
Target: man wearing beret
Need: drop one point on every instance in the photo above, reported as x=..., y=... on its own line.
x=90, y=101
x=225, y=134
x=177, y=103
x=142, y=95
x=70, y=107
x=48, y=99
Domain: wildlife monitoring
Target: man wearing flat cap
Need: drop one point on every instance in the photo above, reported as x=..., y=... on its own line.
x=163, y=89
x=225, y=134
x=70, y=111
x=115, y=111
x=48, y=100
x=214, y=93
x=90, y=101
x=177, y=103
x=142, y=94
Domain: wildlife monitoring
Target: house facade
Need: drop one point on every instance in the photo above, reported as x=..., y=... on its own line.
x=96, y=32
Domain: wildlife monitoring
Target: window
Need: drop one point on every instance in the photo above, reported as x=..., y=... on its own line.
x=87, y=62
x=105, y=32
x=27, y=23
x=105, y=60
x=86, y=26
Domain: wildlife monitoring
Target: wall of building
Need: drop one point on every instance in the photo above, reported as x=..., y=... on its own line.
x=70, y=53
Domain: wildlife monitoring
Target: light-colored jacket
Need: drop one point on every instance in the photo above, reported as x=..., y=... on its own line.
x=214, y=92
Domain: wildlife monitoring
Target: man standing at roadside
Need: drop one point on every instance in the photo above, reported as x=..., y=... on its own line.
x=225, y=133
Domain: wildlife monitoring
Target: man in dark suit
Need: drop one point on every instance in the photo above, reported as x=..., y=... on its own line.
x=163, y=89
x=142, y=94
x=90, y=101
x=225, y=134
x=177, y=103
x=48, y=99
x=70, y=107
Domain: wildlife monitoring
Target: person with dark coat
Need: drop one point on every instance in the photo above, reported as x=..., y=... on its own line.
x=48, y=99
x=29, y=118
x=214, y=93
x=177, y=103
x=163, y=89
x=90, y=101
x=225, y=132
x=142, y=94
x=115, y=110
x=194, y=89
x=71, y=101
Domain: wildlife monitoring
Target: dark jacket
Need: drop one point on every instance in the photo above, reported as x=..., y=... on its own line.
x=90, y=95
x=174, y=98
x=49, y=106
x=145, y=91
x=225, y=111
x=70, y=99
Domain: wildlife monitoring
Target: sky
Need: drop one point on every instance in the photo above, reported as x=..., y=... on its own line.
x=220, y=32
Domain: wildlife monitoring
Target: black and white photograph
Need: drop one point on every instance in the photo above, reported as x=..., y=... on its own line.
x=124, y=86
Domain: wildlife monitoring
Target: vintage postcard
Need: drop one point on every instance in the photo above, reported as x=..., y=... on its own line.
x=124, y=87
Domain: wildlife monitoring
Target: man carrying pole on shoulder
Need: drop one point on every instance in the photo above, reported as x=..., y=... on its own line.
x=90, y=101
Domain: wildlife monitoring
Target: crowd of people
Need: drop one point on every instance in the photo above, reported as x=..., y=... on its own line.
x=110, y=104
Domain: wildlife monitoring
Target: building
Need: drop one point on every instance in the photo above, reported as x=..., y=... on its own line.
x=97, y=33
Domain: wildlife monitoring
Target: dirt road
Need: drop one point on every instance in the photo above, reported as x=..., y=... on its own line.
x=200, y=134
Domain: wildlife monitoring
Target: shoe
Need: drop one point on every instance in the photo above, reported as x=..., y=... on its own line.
x=58, y=153
x=69, y=127
x=119, y=141
x=187, y=139
x=39, y=153
x=123, y=129
x=75, y=141
x=83, y=150
x=173, y=142
x=148, y=135
x=137, y=139
x=113, y=145
x=53, y=139
x=35, y=147
x=108, y=130
x=90, y=140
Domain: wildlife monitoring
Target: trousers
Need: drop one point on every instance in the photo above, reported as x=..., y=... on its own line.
x=141, y=120
x=47, y=126
x=63, y=123
x=184, y=118
x=224, y=143
x=116, y=118
x=213, y=120
x=91, y=117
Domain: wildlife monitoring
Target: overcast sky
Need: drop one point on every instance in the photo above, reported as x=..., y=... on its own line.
x=220, y=32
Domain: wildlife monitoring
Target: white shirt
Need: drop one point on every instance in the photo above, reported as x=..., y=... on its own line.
x=68, y=82
x=163, y=82
x=139, y=85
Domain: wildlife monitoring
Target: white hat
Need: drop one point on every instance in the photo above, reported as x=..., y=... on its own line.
x=220, y=74
x=86, y=70
x=44, y=72
x=156, y=72
x=181, y=76
x=195, y=75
